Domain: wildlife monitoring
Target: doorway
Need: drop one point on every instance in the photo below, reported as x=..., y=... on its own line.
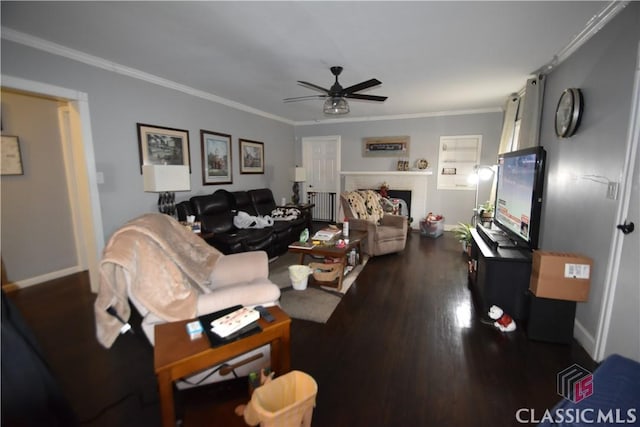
x=321, y=160
x=80, y=168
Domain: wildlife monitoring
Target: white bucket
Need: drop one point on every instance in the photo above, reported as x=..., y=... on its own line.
x=299, y=274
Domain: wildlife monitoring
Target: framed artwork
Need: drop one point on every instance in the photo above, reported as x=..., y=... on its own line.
x=11, y=158
x=251, y=156
x=216, y=158
x=386, y=146
x=163, y=146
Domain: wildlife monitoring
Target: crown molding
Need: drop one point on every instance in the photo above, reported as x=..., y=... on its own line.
x=594, y=25
x=76, y=55
x=402, y=116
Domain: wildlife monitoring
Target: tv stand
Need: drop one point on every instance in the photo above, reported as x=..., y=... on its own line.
x=499, y=276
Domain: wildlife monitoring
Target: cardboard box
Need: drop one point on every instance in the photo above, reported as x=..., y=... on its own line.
x=558, y=275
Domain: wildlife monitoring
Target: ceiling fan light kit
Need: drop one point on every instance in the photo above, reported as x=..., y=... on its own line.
x=336, y=106
x=336, y=102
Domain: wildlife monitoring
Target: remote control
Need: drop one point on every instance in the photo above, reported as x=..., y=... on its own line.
x=264, y=313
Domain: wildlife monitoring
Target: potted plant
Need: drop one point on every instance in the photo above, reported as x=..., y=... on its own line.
x=463, y=233
x=486, y=210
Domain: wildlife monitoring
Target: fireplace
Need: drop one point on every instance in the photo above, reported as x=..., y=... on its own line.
x=404, y=196
x=410, y=186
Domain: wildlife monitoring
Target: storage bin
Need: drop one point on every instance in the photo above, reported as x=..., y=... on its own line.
x=432, y=228
x=286, y=401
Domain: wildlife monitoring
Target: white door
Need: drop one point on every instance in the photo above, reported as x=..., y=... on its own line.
x=321, y=160
x=620, y=324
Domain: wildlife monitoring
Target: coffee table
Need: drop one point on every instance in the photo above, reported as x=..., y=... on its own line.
x=176, y=356
x=329, y=249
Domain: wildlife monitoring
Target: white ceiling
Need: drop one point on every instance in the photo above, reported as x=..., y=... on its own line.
x=431, y=57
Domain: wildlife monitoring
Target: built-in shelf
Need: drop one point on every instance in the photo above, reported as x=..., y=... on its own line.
x=425, y=172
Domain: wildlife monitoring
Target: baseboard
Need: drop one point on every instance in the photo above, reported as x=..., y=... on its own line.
x=586, y=340
x=46, y=277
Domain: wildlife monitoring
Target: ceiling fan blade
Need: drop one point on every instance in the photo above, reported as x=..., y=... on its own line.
x=366, y=97
x=303, y=98
x=312, y=86
x=361, y=86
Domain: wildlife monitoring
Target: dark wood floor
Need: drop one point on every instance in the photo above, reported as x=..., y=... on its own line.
x=404, y=347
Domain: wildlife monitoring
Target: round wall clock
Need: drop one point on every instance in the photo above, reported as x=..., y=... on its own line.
x=568, y=112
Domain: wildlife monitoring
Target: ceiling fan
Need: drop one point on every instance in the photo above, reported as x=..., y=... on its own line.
x=336, y=102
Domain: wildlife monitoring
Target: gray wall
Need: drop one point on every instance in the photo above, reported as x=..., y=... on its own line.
x=425, y=133
x=577, y=216
x=37, y=231
x=118, y=102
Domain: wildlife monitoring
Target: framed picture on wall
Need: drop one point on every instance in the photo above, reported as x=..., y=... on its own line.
x=216, y=158
x=11, y=156
x=251, y=156
x=386, y=146
x=163, y=146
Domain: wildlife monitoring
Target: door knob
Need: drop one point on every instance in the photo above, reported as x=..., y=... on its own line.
x=626, y=228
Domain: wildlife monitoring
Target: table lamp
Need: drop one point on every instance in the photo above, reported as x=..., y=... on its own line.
x=166, y=180
x=298, y=175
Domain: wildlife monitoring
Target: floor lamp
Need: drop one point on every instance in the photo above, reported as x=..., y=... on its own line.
x=480, y=173
x=298, y=175
x=166, y=180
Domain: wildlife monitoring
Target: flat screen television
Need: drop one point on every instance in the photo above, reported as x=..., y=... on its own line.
x=519, y=197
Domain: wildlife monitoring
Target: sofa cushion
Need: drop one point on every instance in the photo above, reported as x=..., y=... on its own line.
x=263, y=200
x=214, y=212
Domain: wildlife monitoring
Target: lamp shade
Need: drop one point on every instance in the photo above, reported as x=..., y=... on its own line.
x=298, y=174
x=336, y=105
x=160, y=178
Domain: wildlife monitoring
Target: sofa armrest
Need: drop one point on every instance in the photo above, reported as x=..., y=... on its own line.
x=240, y=267
x=260, y=292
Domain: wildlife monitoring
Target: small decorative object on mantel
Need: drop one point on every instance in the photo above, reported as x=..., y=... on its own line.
x=403, y=165
x=569, y=112
x=422, y=164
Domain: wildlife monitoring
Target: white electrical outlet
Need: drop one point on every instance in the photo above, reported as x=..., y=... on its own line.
x=612, y=191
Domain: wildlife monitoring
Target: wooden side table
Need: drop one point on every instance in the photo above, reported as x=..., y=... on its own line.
x=176, y=356
x=330, y=250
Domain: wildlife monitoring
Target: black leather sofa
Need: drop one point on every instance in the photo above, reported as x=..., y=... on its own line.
x=216, y=212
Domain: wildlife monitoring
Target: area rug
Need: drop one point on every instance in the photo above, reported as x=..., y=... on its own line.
x=314, y=303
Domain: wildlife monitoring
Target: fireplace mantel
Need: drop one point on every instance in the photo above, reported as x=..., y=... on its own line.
x=414, y=181
x=385, y=173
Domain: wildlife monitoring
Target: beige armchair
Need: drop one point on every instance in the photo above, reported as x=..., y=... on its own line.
x=168, y=273
x=386, y=233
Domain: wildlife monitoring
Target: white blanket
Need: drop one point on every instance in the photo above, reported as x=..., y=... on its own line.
x=244, y=220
